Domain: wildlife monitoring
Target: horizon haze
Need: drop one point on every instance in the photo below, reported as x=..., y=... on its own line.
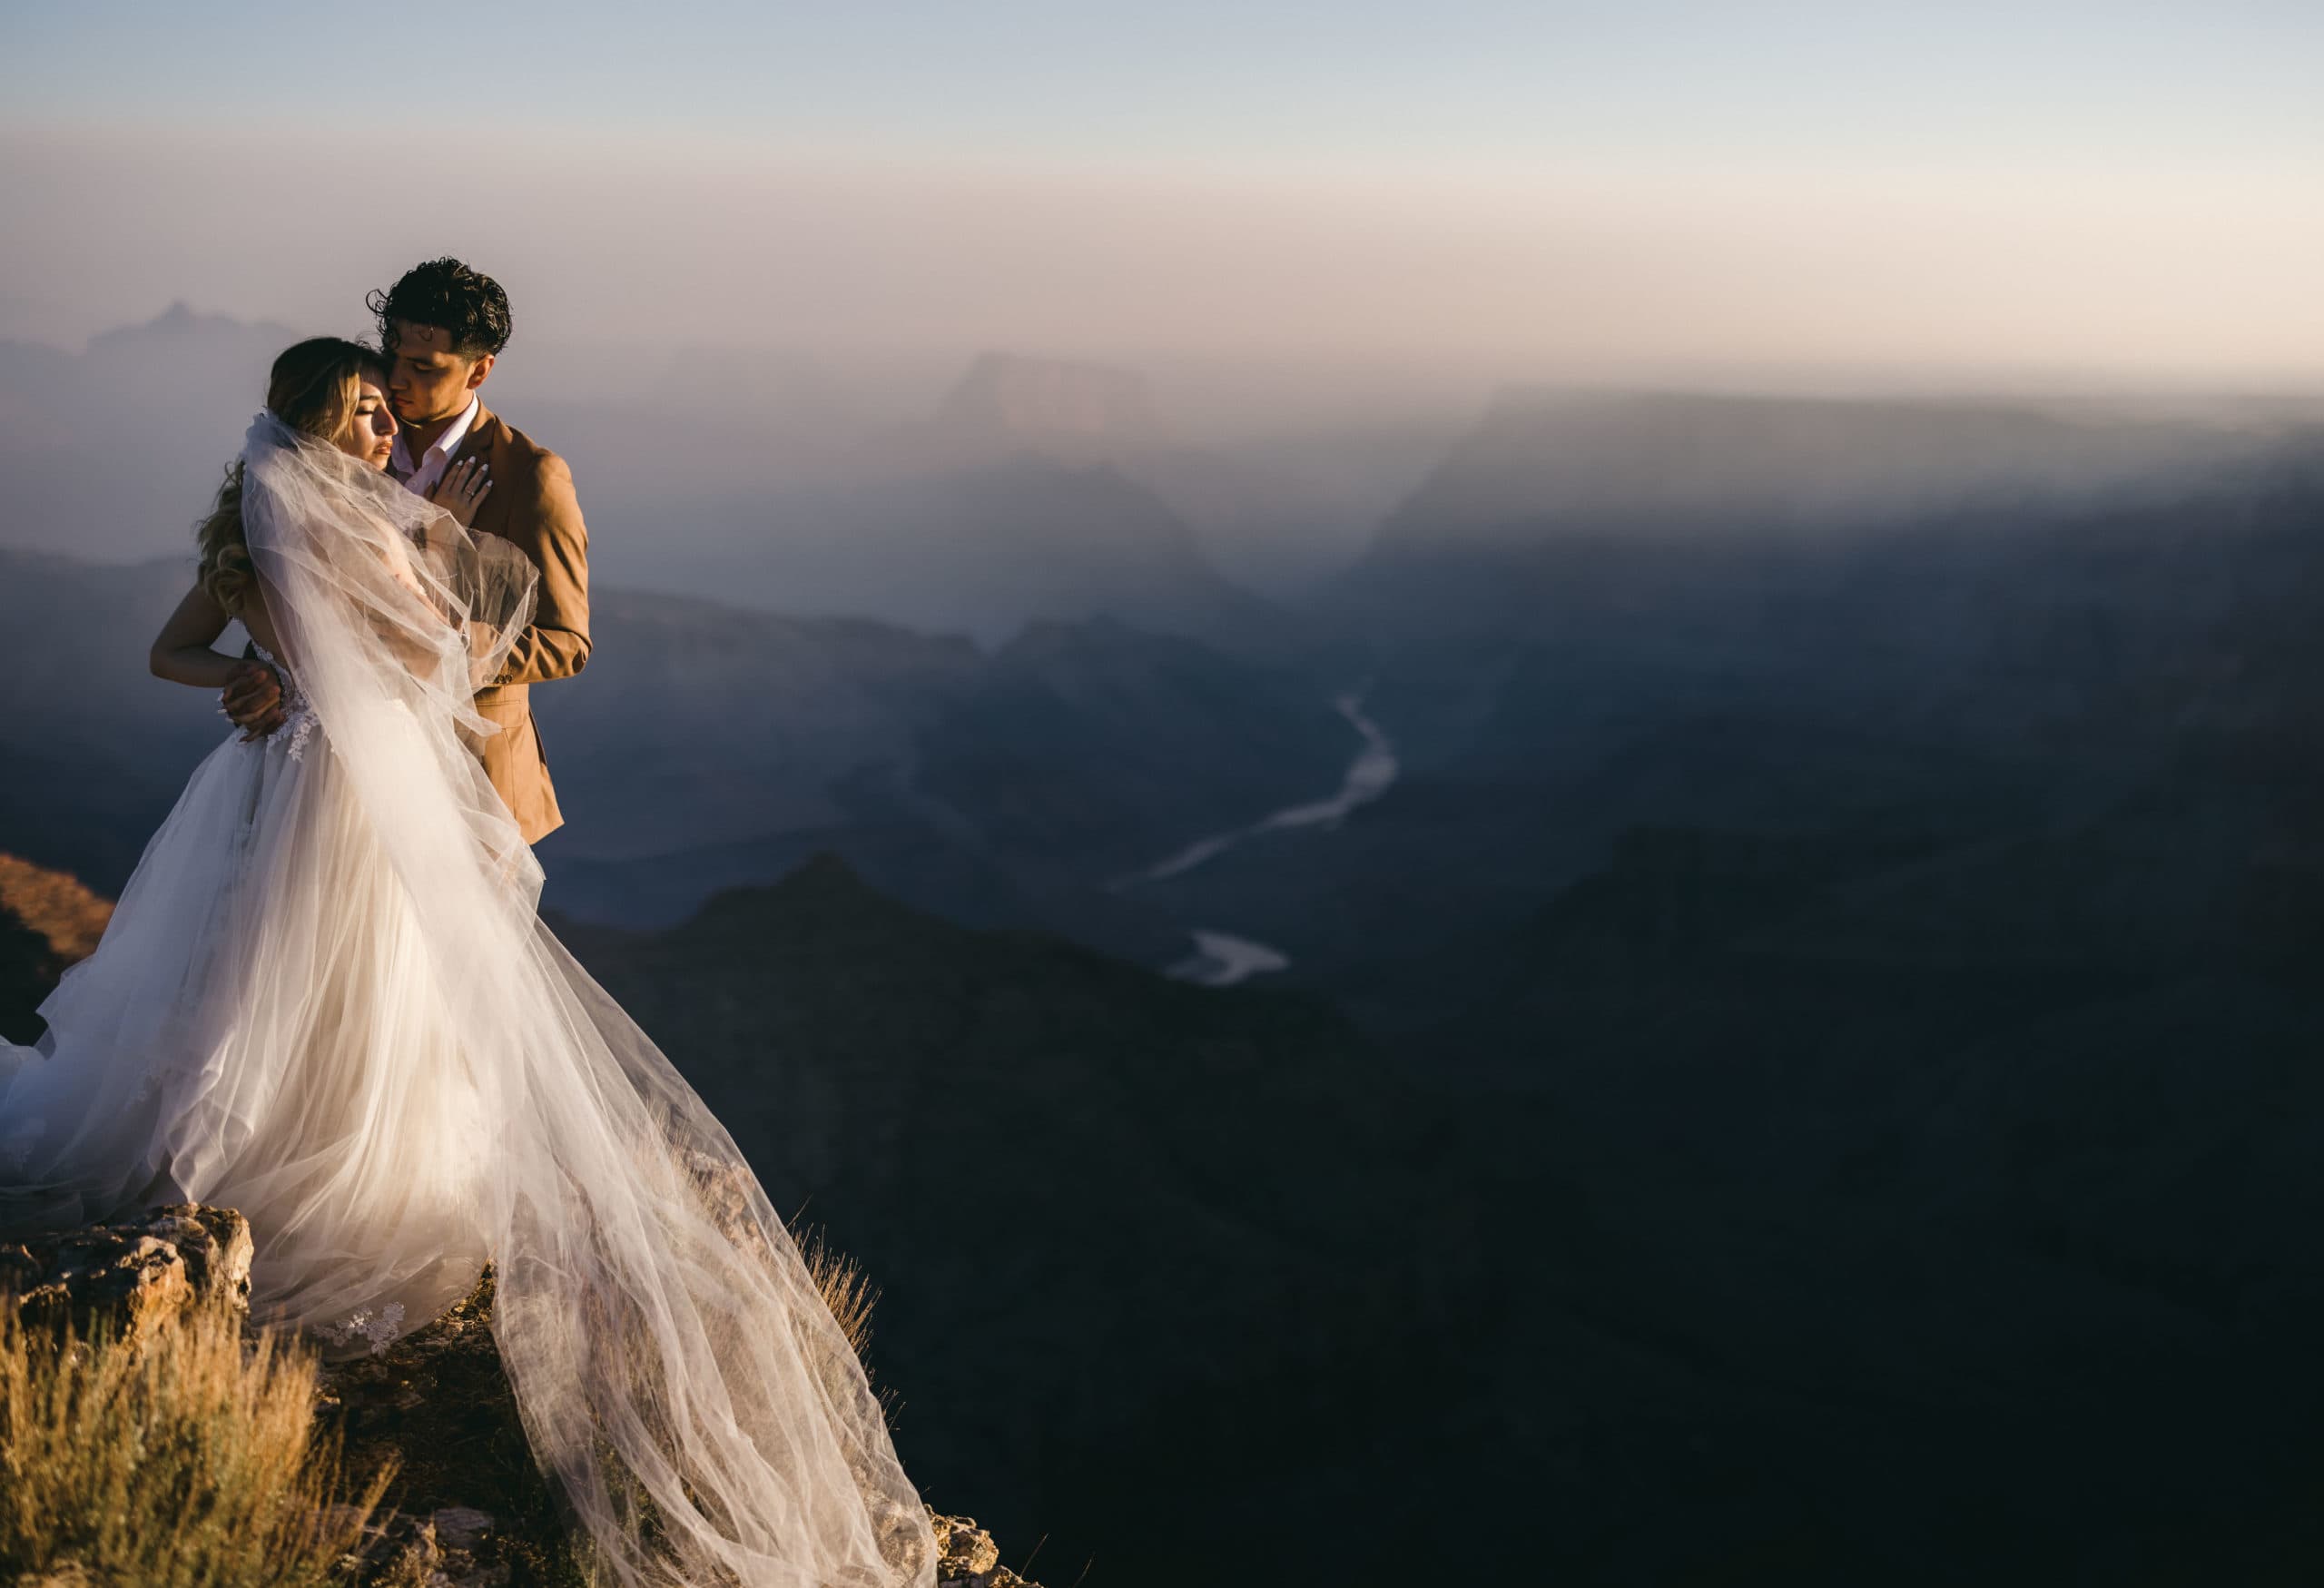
x=1271, y=206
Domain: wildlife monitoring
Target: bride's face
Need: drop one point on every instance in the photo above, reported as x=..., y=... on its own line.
x=370, y=432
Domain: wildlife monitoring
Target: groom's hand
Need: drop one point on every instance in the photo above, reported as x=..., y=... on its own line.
x=253, y=699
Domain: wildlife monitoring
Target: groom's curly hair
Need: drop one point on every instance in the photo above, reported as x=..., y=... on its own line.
x=445, y=292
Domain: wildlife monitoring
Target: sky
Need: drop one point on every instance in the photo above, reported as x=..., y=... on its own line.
x=2122, y=190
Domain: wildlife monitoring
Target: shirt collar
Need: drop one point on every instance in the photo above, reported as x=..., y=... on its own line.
x=454, y=434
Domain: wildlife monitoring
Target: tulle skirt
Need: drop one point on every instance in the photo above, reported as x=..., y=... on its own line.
x=260, y=1027
x=380, y=1055
x=327, y=997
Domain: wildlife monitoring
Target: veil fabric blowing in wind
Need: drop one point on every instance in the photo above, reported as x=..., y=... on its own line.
x=327, y=999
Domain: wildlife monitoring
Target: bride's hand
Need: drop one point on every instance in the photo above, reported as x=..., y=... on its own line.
x=253, y=699
x=462, y=488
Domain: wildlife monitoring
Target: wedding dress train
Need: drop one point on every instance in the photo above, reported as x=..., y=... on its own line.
x=326, y=999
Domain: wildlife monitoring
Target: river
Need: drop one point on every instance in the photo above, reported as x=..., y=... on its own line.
x=1220, y=958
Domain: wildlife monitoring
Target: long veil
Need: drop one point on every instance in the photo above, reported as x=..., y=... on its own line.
x=680, y=1377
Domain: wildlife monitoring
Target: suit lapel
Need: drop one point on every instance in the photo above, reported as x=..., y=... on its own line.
x=491, y=515
x=476, y=442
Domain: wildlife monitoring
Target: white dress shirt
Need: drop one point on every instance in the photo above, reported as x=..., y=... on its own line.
x=422, y=480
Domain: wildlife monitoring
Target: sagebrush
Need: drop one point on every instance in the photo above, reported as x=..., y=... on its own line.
x=187, y=1459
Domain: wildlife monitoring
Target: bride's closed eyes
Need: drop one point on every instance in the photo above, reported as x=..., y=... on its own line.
x=371, y=427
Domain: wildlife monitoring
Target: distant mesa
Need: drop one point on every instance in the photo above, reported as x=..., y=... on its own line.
x=1069, y=411
x=1545, y=460
x=181, y=324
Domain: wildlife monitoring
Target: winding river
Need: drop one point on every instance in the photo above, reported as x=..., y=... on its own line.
x=1222, y=958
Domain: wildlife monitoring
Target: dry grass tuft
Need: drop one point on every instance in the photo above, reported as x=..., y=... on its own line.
x=189, y=1461
x=845, y=1289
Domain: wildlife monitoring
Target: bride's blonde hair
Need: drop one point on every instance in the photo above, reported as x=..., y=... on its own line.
x=313, y=388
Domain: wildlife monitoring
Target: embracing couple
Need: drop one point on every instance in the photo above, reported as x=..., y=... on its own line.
x=441, y=326
x=326, y=997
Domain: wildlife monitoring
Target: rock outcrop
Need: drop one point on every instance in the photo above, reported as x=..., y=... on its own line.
x=137, y=1275
x=472, y=1510
x=467, y=1508
x=71, y=916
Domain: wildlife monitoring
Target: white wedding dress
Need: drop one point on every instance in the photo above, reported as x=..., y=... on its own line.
x=326, y=999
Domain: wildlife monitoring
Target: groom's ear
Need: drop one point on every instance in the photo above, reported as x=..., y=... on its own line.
x=479, y=370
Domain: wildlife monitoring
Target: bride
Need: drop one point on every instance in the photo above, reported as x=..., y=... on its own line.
x=326, y=999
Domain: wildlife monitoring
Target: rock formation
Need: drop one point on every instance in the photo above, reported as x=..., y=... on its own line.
x=138, y=1274
x=469, y=1508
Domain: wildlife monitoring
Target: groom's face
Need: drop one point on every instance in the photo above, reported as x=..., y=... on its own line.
x=427, y=381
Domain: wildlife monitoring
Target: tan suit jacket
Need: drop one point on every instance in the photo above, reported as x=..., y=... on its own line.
x=531, y=503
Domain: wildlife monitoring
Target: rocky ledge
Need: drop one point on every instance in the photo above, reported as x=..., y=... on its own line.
x=467, y=1508
x=136, y=1274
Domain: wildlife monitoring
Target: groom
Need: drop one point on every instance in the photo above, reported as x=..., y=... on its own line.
x=441, y=326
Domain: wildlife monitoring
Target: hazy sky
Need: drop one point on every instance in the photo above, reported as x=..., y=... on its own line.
x=1521, y=189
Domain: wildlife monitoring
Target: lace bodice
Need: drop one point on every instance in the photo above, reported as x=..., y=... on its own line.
x=298, y=715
